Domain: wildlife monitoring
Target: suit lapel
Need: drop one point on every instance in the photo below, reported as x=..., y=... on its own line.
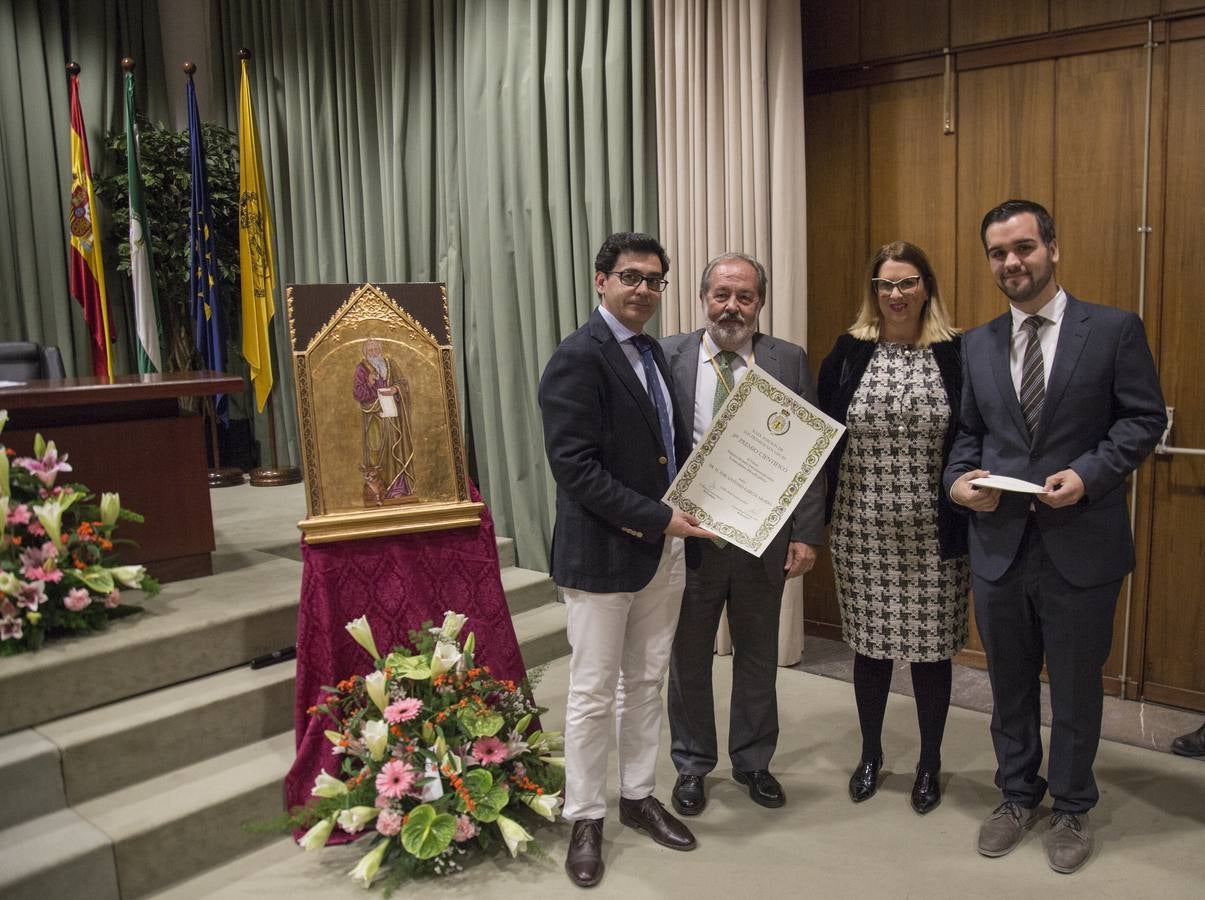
x=998, y=348
x=684, y=366
x=1073, y=335
x=765, y=355
x=614, y=356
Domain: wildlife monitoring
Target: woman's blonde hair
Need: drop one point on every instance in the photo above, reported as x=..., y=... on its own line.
x=935, y=324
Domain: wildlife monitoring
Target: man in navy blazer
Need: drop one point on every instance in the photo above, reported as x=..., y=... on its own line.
x=707, y=365
x=614, y=439
x=1063, y=394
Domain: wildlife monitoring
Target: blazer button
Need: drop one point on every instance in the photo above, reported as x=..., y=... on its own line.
x=662, y=460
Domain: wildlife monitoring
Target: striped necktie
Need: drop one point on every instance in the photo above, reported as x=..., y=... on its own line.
x=1033, y=376
x=725, y=381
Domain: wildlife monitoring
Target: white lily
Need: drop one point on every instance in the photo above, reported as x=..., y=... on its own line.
x=315, y=838
x=3, y=418
x=110, y=506
x=357, y=818
x=335, y=737
x=434, y=788
x=545, y=805
x=376, y=737
x=366, y=869
x=515, y=835
x=558, y=761
x=50, y=515
x=451, y=626
x=326, y=785
x=130, y=576
x=375, y=683
x=362, y=634
x=444, y=659
x=9, y=584
x=4, y=488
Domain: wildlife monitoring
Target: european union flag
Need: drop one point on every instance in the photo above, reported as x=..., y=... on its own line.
x=202, y=258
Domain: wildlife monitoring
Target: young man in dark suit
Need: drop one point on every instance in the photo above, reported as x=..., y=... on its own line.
x=614, y=440
x=707, y=365
x=1064, y=394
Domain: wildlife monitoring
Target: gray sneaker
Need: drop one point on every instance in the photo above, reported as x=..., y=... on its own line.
x=1003, y=829
x=1069, y=842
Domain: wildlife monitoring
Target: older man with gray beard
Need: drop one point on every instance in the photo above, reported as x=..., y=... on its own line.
x=707, y=365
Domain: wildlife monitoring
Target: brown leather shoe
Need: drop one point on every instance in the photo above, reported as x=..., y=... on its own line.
x=1003, y=829
x=650, y=816
x=584, y=862
x=1069, y=842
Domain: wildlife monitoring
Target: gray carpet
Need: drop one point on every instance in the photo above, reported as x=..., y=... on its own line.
x=1150, y=839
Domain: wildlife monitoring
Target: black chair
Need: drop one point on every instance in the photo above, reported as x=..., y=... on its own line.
x=27, y=361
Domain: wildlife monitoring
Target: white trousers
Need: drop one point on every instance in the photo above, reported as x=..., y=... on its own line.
x=621, y=644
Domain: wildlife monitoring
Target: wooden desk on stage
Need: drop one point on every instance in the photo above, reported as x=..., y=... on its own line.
x=130, y=435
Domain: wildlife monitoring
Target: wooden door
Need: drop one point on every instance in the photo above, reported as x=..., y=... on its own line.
x=1173, y=660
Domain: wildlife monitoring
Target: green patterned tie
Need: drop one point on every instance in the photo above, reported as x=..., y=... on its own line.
x=723, y=361
x=725, y=379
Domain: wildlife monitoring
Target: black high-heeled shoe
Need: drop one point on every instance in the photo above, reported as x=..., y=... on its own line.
x=926, y=791
x=864, y=782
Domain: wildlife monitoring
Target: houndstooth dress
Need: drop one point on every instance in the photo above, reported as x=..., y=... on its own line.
x=899, y=599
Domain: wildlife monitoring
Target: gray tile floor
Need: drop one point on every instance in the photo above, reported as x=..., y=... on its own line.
x=1125, y=721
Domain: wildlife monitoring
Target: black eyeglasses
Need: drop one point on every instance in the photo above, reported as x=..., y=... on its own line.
x=631, y=278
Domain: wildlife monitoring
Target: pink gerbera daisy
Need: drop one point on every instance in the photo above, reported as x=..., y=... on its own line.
x=489, y=750
x=402, y=710
x=395, y=778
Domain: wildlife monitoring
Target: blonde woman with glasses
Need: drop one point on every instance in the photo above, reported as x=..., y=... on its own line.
x=899, y=548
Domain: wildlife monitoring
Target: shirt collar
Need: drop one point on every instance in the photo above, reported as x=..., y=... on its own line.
x=622, y=332
x=1051, y=312
x=710, y=350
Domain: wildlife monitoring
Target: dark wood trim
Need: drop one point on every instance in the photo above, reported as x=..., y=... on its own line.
x=1187, y=29
x=1052, y=46
x=1173, y=696
x=976, y=659
x=822, y=630
x=121, y=389
x=825, y=81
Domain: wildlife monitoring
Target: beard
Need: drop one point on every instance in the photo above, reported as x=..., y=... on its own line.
x=1028, y=289
x=730, y=331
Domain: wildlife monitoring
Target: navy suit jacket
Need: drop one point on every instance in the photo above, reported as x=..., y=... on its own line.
x=789, y=364
x=611, y=469
x=1102, y=415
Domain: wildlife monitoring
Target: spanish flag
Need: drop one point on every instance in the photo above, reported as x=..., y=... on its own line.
x=257, y=267
x=86, y=272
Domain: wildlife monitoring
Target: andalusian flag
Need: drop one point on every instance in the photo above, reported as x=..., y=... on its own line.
x=257, y=268
x=86, y=272
x=203, y=257
x=142, y=259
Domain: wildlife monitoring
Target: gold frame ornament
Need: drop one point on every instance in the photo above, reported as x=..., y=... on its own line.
x=381, y=443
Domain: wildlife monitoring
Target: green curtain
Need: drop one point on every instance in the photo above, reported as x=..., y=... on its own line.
x=37, y=40
x=488, y=144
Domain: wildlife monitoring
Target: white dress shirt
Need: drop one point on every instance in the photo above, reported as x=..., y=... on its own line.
x=709, y=376
x=624, y=335
x=1048, y=338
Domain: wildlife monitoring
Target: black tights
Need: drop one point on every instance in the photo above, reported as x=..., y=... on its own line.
x=930, y=684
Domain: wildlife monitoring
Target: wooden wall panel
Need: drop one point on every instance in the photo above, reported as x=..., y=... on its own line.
x=1076, y=13
x=1099, y=118
x=830, y=34
x=1174, y=666
x=902, y=27
x=1005, y=147
x=976, y=22
x=837, y=236
x=1180, y=5
x=912, y=170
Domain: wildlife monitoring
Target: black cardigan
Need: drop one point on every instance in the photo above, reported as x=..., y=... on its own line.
x=841, y=373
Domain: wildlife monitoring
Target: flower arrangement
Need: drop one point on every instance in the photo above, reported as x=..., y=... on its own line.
x=438, y=756
x=56, y=552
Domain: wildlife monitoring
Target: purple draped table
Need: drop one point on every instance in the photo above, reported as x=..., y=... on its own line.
x=398, y=582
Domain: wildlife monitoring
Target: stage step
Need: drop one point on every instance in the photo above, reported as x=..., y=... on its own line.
x=171, y=827
x=54, y=856
x=526, y=589
x=31, y=778
x=191, y=629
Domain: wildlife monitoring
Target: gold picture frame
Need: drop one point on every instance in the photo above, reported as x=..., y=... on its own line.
x=381, y=444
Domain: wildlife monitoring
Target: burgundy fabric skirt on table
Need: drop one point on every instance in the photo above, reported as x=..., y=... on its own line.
x=398, y=582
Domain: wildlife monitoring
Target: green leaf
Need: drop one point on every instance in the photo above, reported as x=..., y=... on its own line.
x=427, y=833
x=482, y=725
x=96, y=579
x=492, y=804
x=412, y=667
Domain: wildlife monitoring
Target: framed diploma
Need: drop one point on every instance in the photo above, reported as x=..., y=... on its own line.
x=763, y=450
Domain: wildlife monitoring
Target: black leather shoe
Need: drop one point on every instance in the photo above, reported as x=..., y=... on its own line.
x=584, y=863
x=864, y=782
x=926, y=792
x=1191, y=744
x=648, y=815
x=688, y=796
x=763, y=787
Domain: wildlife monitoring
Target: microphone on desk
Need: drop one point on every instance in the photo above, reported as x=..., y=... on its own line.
x=276, y=656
